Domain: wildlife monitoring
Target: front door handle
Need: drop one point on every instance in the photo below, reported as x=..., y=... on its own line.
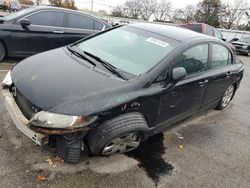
x=58, y=31
x=203, y=82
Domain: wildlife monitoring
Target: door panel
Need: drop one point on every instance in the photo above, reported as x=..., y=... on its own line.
x=182, y=98
x=35, y=38
x=221, y=74
x=185, y=96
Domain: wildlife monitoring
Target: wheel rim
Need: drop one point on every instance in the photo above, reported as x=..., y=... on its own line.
x=122, y=144
x=227, y=96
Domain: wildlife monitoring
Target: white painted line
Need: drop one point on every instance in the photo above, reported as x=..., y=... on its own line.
x=4, y=70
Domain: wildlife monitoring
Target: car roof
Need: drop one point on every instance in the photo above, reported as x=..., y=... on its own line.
x=174, y=32
x=44, y=7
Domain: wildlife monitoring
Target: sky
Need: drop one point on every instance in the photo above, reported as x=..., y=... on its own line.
x=109, y=4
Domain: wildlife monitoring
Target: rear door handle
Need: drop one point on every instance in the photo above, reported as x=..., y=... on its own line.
x=203, y=82
x=58, y=31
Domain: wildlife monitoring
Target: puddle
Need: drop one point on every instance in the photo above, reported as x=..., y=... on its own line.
x=150, y=157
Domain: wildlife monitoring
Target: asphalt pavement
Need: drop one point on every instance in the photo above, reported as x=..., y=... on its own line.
x=209, y=150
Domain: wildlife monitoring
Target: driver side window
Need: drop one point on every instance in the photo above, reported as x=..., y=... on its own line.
x=194, y=60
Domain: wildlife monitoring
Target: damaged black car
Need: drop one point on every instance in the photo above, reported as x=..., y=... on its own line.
x=111, y=91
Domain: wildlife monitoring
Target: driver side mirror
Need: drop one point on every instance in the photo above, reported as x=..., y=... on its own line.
x=25, y=22
x=178, y=74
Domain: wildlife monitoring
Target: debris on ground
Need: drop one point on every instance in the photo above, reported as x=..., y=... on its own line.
x=55, y=161
x=181, y=146
x=41, y=178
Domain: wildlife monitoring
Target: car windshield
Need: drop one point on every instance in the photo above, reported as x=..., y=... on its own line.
x=17, y=14
x=130, y=49
x=245, y=39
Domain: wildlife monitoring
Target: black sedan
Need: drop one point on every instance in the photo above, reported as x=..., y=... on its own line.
x=39, y=29
x=242, y=45
x=111, y=91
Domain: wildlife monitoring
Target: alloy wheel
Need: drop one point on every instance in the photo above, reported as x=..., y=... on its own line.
x=228, y=96
x=122, y=144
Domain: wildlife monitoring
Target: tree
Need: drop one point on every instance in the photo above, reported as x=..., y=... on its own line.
x=233, y=15
x=133, y=7
x=64, y=3
x=148, y=7
x=210, y=12
x=186, y=15
x=162, y=11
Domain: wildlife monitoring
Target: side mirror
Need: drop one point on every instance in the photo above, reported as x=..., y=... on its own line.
x=25, y=22
x=178, y=74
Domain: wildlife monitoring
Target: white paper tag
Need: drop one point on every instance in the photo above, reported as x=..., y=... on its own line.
x=157, y=42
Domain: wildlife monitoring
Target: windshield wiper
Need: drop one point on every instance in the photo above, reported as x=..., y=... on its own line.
x=107, y=65
x=80, y=54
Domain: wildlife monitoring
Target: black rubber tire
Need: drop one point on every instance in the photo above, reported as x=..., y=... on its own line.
x=220, y=106
x=69, y=147
x=99, y=137
x=2, y=51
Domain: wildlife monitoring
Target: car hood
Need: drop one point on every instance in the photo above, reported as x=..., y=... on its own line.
x=58, y=82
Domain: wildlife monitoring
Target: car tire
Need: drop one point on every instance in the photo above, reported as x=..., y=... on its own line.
x=227, y=97
x=127, y=129
x=2, y=51
x=69, y=147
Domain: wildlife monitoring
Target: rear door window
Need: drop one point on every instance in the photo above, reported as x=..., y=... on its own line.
x=80, y=22
x=221, y=56
x=47, y=18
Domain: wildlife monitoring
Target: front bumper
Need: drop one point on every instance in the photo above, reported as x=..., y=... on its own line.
x=20, y=121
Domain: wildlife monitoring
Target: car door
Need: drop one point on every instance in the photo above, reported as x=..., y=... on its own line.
x=185, y=97
x=220, y=74
x=80, y=26
x=45, y=32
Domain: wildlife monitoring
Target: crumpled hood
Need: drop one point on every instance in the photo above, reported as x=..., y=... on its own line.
x=57, y=82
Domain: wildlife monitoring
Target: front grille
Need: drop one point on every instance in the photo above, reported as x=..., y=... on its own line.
x=27, y=108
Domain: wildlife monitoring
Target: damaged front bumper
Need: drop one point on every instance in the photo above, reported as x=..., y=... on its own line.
x=20, y=121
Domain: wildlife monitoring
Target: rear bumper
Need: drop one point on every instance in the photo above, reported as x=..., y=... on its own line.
x=20, y=121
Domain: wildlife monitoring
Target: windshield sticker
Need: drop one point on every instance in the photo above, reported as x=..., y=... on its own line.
x=157, y=42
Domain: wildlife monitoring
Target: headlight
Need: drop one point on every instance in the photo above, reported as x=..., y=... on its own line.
x=59, y=121
x=244, y=47
x=7, y=81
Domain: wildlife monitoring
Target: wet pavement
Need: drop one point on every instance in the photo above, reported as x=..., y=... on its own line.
x=209, y=150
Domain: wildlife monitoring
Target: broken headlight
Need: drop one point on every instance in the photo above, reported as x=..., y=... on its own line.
x=60, y=121
x=7, y=81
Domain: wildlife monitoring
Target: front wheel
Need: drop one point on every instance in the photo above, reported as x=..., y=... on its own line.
x=119, y=135
x=227, y=97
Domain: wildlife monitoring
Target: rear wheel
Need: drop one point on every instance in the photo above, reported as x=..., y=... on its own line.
x=2, y=51
x=119, y=135
x=227, y=97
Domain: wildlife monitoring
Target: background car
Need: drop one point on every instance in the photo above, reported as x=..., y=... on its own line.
x=242, y=45
x=39, y=29
x=208, y=30
x=111, y=101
